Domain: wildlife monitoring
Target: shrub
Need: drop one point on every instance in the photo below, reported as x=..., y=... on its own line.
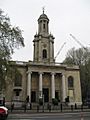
x=54, y=101
x=40, y=101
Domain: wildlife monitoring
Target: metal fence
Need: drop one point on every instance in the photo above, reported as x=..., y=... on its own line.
x=48, y=107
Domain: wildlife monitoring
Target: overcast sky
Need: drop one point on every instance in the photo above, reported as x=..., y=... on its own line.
x=66, y=17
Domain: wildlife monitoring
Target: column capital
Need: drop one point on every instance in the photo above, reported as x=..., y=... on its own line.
x=40, y=72
x=62, y=74
x=53, y=73
x=29, y=72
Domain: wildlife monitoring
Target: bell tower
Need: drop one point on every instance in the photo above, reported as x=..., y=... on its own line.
x=43, y=24
x=43, y=42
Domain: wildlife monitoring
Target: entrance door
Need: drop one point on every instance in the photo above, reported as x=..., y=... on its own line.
x=46, y=94
x=57, y=95
x=33, y=96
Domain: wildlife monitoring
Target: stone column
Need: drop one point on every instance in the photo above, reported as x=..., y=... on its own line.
x=40, y=85
x=53, y=85
x=29, y=86
x=63, y=88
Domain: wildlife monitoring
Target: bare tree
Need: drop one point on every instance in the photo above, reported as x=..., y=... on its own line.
x=81, y=57
x=10, y=38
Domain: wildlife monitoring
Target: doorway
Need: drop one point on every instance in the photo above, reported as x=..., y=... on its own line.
x=46, y=94
x=33, y=96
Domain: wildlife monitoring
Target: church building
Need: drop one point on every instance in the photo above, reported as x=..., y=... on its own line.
x=42, y=77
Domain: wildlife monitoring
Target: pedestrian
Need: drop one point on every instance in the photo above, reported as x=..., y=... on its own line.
x=25, y=107
x=75, y=106
x=3, y=101
x=12, y=107
x=72, y=107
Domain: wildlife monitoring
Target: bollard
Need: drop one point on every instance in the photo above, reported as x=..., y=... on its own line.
x=43, y=108
x=24, y=107
x=82, y=107
x=72, y=107
x=49, y=108
x=61, y=107
x=12, y=107
x=37, y=108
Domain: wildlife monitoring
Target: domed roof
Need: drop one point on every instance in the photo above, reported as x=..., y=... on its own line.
x=43, y=16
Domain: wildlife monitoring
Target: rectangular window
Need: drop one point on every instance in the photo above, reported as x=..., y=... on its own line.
x=18, y=80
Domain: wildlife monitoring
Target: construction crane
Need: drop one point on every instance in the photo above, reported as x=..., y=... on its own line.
x=60, y=50
x=77, y=41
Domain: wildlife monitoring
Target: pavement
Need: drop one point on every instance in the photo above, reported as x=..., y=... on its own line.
x=50, y=116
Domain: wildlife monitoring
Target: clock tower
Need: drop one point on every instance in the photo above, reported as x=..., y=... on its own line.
x=43, y=42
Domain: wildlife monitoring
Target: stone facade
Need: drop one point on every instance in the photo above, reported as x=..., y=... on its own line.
x=42, y=77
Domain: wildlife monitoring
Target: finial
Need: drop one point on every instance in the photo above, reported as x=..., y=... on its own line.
x=43, y=9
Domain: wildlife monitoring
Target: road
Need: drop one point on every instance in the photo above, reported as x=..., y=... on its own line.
x=51, y=116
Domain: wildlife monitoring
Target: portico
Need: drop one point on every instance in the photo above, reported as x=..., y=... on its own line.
x=50, y=82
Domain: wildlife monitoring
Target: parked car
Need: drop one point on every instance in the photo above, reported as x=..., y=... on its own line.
x=3, y=112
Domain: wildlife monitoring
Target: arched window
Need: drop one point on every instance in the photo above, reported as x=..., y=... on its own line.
x=18, y=80
x=44, y=53
x=43, y=26
x=70, y=82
